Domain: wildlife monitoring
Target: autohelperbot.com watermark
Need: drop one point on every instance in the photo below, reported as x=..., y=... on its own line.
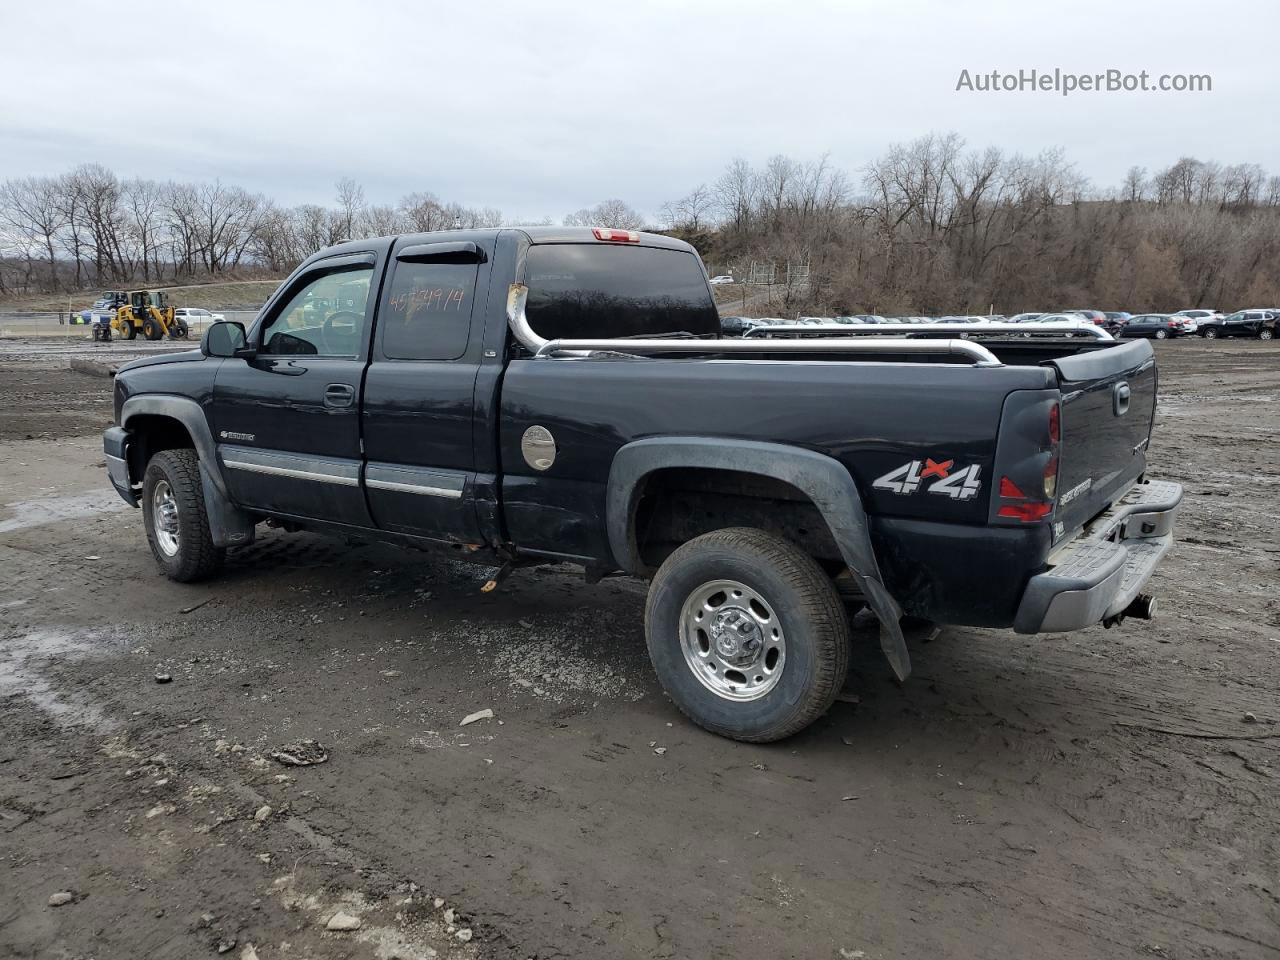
x=1065, y=83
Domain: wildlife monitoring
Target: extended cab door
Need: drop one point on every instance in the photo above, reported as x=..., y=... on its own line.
x=287, y=421
x=419, y=392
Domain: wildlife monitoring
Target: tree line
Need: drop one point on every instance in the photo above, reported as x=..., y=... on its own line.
x=930, y=226
x=933, y=227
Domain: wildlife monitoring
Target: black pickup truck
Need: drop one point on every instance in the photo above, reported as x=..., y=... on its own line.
x=523, y=395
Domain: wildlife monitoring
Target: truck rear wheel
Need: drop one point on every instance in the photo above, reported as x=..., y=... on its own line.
x=175, y=517
x=747, y=634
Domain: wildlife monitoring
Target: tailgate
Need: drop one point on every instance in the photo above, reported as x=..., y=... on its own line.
x=1108, y=401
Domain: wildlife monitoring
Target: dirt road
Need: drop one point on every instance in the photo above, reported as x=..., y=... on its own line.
x=1100, y=794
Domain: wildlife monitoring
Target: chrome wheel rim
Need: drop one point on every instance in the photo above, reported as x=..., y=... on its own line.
x=164, y=517
x=732, y=640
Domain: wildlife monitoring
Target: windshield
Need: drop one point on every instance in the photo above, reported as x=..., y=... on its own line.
x=587, y=291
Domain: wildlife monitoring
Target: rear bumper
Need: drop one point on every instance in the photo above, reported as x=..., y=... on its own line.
x=1099, y=573
x=115, y=448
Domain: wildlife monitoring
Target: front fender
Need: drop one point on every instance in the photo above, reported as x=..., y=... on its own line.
x=820, y=478
x=188, y=413
x=228, y=524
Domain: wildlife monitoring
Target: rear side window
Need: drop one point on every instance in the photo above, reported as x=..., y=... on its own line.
x=428, y=312
x=589, y=291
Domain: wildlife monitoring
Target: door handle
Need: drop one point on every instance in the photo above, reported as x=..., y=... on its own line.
x=339, y=395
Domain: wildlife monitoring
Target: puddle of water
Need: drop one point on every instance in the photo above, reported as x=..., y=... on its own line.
x=35, y=513
x=21, y=658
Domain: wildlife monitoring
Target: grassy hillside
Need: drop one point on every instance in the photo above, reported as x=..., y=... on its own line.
x=232, y=295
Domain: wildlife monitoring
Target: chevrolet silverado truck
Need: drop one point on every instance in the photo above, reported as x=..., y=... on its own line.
x=520, y=396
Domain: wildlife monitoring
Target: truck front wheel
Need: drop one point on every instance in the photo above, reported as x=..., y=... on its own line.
x=176, y=521
x=747, y=634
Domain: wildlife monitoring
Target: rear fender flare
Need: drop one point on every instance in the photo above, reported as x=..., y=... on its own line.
x=822, y=479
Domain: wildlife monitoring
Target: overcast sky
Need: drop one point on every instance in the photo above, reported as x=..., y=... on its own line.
x=540, y=108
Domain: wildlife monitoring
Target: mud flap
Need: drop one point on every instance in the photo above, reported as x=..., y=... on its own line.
x=229, y=526
x=892, y=642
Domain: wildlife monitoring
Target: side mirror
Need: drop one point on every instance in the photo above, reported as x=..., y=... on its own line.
x=226, y=338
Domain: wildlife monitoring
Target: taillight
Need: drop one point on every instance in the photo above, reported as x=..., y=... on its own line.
x=615, y=236
x=1032, y=508
x=1028, y=512
x=1009, y=490
x=1051, y=477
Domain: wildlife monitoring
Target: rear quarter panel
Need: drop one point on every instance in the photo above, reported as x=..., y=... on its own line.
x=872, y=417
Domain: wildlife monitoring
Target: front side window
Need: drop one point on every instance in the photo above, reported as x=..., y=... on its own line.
x=324, y=317
x=593, y=290
x=428, y=310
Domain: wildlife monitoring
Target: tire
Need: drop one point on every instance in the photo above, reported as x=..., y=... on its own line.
x=1162, y=334
x=1265, y=333
x=179, y=537
x=179, y=330
x=809, y=644
x=1211, y=333
x=130, y=331
x=152, y=330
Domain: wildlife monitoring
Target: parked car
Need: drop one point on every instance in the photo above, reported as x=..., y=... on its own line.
x=723, y=278
x=467, y=397
x=1063, y=319
x=1243, y=323
x=737, y=326
x=1093, y=316
x=194, y=315
x=1197, y=317
x=1116, y=319
x=1161, y=326
x=1024, y=317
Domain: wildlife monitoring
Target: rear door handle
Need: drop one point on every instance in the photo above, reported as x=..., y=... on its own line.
x=339, y=395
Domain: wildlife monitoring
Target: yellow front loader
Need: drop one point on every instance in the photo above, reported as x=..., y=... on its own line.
x=148, y=312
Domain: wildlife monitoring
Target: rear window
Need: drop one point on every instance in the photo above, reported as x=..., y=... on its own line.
x=590, y=291
x=428, y=311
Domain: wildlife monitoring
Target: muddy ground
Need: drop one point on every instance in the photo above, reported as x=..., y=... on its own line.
x=1099, y=794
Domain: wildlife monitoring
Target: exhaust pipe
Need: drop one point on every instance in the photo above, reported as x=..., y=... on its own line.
x=1142, y=607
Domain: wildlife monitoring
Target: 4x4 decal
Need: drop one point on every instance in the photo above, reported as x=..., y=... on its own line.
x=962, y=484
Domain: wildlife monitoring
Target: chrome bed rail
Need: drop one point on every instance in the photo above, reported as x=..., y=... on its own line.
x=518, y=321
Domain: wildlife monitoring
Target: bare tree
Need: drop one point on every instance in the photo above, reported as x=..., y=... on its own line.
x=1135, y=186
x=350, y=205
x=30, y=207
x=609, y=213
